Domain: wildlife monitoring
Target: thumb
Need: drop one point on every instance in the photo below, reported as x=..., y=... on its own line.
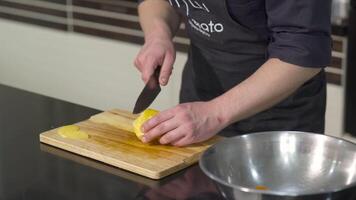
x=148, y=70
x=166, y=69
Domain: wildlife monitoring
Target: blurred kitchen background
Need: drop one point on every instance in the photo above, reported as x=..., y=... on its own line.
x=82, y=51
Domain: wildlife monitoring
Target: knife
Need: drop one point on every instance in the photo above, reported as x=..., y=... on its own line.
x=149, y=92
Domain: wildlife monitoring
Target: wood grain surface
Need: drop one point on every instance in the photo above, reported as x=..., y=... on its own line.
x=111, y=141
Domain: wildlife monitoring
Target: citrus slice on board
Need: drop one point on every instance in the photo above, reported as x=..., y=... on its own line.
x=141, y=119
x=72, y=132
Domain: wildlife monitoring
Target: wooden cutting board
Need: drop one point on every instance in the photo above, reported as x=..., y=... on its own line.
x=112, y=141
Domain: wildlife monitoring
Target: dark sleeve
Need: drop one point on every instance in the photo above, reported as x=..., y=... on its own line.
x=300, y=31
x=140, y=1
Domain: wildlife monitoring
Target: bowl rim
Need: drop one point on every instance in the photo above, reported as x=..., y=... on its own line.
x=273, y=192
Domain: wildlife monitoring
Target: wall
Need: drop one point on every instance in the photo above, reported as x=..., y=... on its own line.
x=93, y=71
x=78, y=68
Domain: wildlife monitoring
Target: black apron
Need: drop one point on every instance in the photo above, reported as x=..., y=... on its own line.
x=223, y=53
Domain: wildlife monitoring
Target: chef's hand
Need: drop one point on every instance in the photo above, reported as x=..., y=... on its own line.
x=157, y=50
x=185, y=124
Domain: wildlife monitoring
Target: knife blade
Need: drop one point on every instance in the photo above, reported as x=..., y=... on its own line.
x=149, y=92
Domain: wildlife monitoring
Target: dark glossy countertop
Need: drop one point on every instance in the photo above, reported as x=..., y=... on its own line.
x=30, y=170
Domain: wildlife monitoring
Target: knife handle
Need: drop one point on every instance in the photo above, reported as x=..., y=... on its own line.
x=157, y=72
x=153, y=82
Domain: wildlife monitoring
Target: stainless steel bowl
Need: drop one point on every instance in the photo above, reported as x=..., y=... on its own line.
x=282, y=165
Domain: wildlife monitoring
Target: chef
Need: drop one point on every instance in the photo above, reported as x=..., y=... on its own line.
x=253, y=65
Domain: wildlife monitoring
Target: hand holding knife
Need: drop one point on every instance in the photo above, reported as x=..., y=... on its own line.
x=149, y=92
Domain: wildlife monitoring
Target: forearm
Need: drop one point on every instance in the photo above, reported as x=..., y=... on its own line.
x=159, y=18
x=269, y=85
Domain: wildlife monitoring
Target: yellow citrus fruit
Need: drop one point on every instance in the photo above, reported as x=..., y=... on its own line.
x=261, y=187
x=141, y=119
x=72, y=132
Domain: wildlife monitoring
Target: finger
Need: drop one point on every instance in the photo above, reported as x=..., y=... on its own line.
x=158, y=119
x=166, y=70
x=138, y=61
x=148, y=69
x=172, y=136
x=183, y=142
x=160, y=130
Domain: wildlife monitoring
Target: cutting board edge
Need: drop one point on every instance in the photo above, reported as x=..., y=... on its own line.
x=108, y=160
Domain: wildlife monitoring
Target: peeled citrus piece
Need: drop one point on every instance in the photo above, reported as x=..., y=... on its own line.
x=261, y=187
x=72, y=132
x=141, y=119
